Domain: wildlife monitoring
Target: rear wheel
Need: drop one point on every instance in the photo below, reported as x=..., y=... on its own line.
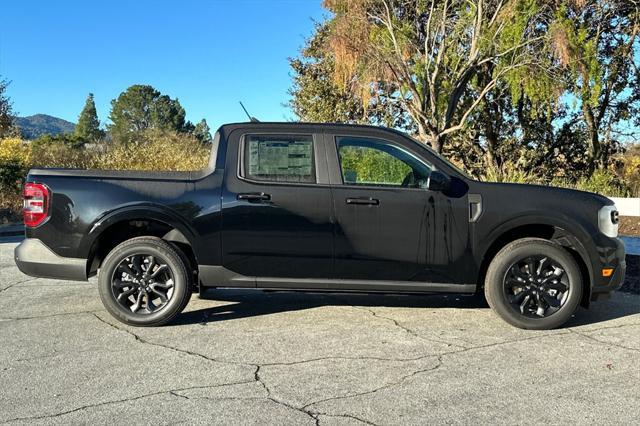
x=533, y=284
x=145, y=281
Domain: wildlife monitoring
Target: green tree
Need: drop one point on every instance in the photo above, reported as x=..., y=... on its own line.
x=88, y=127
x=140, y=108
x=316, y=96
x=432, y=53
x=7, y=123
x=596, y=43
x=202, y=132
x=70, y=140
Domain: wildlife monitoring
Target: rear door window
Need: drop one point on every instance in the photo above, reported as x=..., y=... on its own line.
x=279, y=158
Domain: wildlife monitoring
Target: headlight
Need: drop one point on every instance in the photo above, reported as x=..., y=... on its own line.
x=608, y=221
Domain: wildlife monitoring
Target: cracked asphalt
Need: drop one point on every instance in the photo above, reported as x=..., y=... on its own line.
x=252, y=357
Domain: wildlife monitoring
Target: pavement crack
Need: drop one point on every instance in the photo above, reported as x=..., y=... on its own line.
x=57, y=354
x=385, y=386
x=346, y=358
x=406, y=329
x=172, y=348
x=440, y=359
x=16, y=283
x=270, y=397
x=610, y=327
x=603, y=342
x=48, y=316
x=172, y=392
x=347, y=416
x=83, y=407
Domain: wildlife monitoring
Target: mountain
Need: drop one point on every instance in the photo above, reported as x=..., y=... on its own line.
x=37, y=125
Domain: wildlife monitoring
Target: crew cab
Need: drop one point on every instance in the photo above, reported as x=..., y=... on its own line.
x=320, y=207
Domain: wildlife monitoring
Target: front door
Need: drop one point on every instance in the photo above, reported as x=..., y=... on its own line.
x=388, y=225
x=277, y=208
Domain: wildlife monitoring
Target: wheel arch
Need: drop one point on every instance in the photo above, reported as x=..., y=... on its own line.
x=567, y=235
x=133, y=221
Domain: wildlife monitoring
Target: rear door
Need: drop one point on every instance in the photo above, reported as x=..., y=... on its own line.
x=277, y=208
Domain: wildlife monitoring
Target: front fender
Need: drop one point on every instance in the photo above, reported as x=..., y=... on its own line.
x=573, y=233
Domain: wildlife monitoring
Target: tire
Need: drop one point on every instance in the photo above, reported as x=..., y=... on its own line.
x=145, y=282
x=533, y=284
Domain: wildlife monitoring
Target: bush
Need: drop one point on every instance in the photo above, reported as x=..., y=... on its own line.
x=602, y=182
x=629, y=169
x=15, y=158
x=153, y=150
x=510, y=175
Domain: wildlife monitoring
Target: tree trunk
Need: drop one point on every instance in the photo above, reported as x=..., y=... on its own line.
x=595, y=154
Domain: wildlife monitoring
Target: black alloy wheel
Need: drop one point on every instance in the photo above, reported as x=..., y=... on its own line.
x=145, y=281
x=533, y=283
x=142, y=283
x=536, y=286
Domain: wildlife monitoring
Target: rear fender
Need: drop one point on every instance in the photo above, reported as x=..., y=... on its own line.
x=140, y=211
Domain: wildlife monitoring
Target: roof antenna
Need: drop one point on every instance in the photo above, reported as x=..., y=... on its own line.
x=252, y=119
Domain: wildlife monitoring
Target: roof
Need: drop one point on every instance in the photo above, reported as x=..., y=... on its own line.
x=307, y=125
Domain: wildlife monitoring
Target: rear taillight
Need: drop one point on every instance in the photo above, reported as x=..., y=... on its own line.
x=36, y=204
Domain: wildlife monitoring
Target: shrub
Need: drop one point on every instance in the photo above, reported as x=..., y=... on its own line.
x=52, y=153
x=602, y=182
x=15, y=157
x=629, y=169
x=510, y=175
x=154, y=150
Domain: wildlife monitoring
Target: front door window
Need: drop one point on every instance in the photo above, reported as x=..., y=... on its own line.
x=371, y=162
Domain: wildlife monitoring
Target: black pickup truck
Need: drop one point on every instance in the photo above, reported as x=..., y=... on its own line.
x=320, y=207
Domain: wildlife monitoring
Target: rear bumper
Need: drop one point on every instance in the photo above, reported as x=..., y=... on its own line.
x=34, y=258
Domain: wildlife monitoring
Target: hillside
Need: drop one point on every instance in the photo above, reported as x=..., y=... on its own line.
x=42, y=124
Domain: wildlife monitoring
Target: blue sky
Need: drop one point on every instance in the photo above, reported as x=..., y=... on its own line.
x=208, y=54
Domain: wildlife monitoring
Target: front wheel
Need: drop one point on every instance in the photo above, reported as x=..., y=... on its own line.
x=533, y=284
x=144, y=282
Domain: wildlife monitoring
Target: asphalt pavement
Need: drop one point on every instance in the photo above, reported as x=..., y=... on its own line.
x=253, y=357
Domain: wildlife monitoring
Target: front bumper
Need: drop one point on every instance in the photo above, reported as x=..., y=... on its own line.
x=34, y=258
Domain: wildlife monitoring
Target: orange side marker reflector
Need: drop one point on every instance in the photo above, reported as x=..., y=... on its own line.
x=607, y=272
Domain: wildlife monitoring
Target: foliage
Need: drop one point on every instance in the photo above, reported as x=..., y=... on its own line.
x=15, y=157
x=316, y=97
x=71, y=140
x=154, y=150
x=510, y=175
x=629, y=169
x=595, y=42
x=88, y=127
x=602, y=182
x=372, y=165
x=151, y=150
x=547, y=88
x=7, y=124
x=202, y=132
x=431, y=53
x=140, y=108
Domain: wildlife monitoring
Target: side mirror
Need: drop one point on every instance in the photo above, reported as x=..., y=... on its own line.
x=438, y=181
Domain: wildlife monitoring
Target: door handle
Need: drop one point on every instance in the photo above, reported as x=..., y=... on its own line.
x=254, y=196
x=364, y=201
